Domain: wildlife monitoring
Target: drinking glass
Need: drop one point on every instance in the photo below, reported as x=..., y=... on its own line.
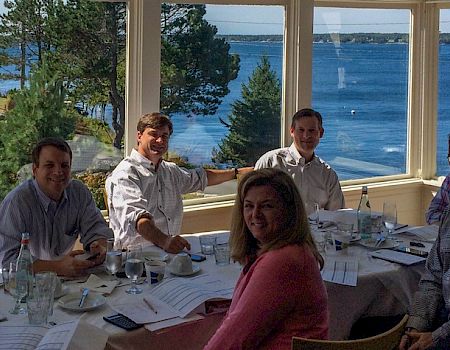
x=134, y=267
x=113, y=261
x=389, y=216
x=312, y=210
x=18, y=293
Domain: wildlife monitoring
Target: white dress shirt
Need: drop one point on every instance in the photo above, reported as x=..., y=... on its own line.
x=135, y=189
x=317, y=182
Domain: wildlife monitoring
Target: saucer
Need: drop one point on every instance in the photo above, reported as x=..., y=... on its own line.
x=195, y=269
x=387, y=244
x=72, y=300
x=355, y=239
x=61, y=293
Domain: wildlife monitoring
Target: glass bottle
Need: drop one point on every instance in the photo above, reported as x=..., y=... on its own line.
x=24, y=267
x=364, y=215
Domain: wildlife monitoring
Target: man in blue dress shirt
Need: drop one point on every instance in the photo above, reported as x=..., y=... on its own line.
x=55, y=210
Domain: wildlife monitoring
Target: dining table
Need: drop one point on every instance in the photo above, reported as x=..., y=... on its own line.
x=382, y=288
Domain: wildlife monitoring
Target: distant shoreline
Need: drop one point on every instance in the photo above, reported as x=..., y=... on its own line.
x=357, y=38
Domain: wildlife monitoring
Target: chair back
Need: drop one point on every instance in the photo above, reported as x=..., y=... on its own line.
x=388, y=340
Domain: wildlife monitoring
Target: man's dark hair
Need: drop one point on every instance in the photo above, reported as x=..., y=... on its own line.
x=50, y=141
x=306, y=112
x=154, y=120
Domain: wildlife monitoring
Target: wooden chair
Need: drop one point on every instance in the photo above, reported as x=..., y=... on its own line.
x=388, y=340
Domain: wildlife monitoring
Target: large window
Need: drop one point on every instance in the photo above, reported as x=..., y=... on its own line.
x=221, y=84
x=360, y=85
x=443, y=129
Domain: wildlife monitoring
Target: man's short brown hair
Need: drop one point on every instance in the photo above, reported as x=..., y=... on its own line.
x=56, y=142
x=154, y=120
x=306, y=112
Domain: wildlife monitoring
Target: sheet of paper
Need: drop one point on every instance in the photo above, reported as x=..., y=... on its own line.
x=427, y=233
x=341, y=271
x=37, y=337
x=398, y=257
x=140, y=312
x=184, y=295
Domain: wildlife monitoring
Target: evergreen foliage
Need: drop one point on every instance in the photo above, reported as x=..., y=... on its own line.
x=255, y=119
x=39, y=112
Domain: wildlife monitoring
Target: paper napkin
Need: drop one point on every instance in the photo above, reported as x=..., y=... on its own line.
x=99, y=285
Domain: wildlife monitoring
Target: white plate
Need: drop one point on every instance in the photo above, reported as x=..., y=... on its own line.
x=195, y=269
x=387, y=244
x=72, y=300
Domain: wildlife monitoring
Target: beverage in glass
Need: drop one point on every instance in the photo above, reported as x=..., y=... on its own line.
x=113, y=261
x=389, y=216
x=134, y=267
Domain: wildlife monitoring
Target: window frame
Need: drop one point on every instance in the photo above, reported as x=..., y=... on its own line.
x=142, y=87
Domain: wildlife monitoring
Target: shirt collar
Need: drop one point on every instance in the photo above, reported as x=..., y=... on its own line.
x=44, y=199
x=297, y=158
x=145, y=162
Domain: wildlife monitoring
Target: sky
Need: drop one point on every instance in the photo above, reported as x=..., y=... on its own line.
x=237, y=19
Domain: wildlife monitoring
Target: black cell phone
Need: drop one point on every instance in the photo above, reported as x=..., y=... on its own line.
x=413, y=251
x=122, y=321
x=198, y=257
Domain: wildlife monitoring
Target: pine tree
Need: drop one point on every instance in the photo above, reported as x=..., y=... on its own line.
x=255, y=119
x=39, y=112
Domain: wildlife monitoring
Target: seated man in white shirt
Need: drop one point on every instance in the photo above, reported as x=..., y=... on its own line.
x=145, y=191
x=55, y=211
x=317, y=182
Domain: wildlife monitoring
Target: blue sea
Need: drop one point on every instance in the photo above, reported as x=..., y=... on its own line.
x=361, y=92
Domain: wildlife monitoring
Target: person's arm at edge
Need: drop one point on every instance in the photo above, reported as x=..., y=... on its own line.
x=336, y=198
x=439, y=202
x=146, y=227
x=216, y=176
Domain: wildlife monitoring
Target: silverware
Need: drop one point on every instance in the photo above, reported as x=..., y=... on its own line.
x=83, y=297
x=380, y=241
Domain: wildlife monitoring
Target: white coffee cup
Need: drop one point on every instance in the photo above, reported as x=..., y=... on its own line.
x=181, y=263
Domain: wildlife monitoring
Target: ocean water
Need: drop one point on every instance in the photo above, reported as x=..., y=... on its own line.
x=361, y=92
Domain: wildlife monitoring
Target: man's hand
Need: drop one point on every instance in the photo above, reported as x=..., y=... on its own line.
x=176, y=244
x=71, y=267
x=415, y=340
x=98, y=247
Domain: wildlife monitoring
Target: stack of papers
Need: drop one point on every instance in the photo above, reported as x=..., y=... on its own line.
x=174, y=300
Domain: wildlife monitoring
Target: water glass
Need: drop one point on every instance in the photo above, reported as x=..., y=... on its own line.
x=46, y=282
x=134, y=267
x=155, y=270
x=113, y=261
x=389, y=216
x=312, y=209
x=207, y=243
x=346, y=229
x=222, y=254
x=39, y=303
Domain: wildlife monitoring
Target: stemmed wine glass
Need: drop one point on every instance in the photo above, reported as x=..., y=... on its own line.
x=113, y=261
x=134, y=267
x=17, y=290
x=389, y=216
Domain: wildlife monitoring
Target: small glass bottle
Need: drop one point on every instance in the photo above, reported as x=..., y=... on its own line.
x=364, y=215
x=24, y=268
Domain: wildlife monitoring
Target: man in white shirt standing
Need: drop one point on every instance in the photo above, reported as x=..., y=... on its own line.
x=145, y=191
x=317, y=182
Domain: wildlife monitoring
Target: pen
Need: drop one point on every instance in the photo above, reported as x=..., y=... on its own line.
x=150, y=306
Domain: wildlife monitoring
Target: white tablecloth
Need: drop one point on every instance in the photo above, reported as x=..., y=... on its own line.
x=383, y=289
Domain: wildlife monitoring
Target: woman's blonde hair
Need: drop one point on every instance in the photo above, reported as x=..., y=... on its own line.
x=295, y=229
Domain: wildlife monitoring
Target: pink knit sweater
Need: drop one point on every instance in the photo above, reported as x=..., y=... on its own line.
x=282, y=295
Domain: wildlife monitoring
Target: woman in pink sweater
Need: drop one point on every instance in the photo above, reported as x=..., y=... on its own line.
x=280, y=293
